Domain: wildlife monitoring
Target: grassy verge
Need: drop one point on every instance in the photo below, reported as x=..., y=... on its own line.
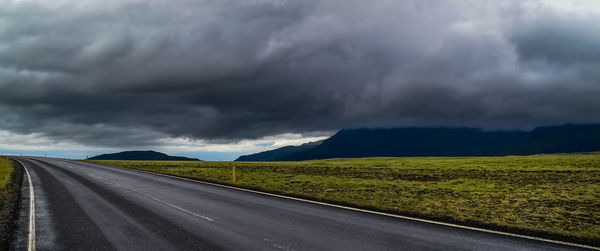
x=10, y=181
x=555, y=196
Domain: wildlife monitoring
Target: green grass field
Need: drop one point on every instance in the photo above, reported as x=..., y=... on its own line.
x=555, y=196
x=6, y=169
x=9, y=189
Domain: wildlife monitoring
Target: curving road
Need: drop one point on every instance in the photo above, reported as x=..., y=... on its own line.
x=83, y=206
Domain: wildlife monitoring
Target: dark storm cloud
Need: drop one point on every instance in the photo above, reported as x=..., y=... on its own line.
x=124, y=73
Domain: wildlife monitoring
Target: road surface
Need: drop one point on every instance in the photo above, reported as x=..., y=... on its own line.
x=84, y=206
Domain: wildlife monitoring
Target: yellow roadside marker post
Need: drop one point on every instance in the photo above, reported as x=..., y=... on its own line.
x=86, y=157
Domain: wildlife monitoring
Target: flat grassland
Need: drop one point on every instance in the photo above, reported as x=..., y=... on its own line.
x=556, y=196
x=9, y=189
x=6, y=170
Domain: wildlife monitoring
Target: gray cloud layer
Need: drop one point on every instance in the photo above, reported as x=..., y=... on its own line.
x=123, y=73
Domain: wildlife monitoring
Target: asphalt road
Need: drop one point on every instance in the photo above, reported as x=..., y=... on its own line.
x=83, y=206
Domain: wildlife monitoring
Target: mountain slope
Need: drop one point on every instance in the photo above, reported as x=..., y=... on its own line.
x=559, y=139
x=410, y=142
x=139, y=155
x=277, y=153
x=400, y=142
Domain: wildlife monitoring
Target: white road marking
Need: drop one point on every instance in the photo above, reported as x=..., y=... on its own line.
x=31, y=236
x=156, y=199
x=378, y=213
x=282, y=247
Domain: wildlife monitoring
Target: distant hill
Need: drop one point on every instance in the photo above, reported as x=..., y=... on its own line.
x=559, y=139
x=277, y=153
x=402, y=142
x=139, y=155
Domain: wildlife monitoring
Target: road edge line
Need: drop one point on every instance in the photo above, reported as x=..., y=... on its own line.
x=31, y=235
x=371, y=211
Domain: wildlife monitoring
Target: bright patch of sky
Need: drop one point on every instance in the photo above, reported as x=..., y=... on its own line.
x=39, y=145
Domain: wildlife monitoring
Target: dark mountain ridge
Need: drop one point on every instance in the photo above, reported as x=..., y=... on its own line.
x=277, y=153
x=139, y=155
x=414, y=141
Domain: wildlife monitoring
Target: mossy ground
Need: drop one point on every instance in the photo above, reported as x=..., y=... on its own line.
x=10, y=181
x=555, y=196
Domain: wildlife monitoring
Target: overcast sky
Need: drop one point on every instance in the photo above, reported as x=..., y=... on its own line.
x=218, y=78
